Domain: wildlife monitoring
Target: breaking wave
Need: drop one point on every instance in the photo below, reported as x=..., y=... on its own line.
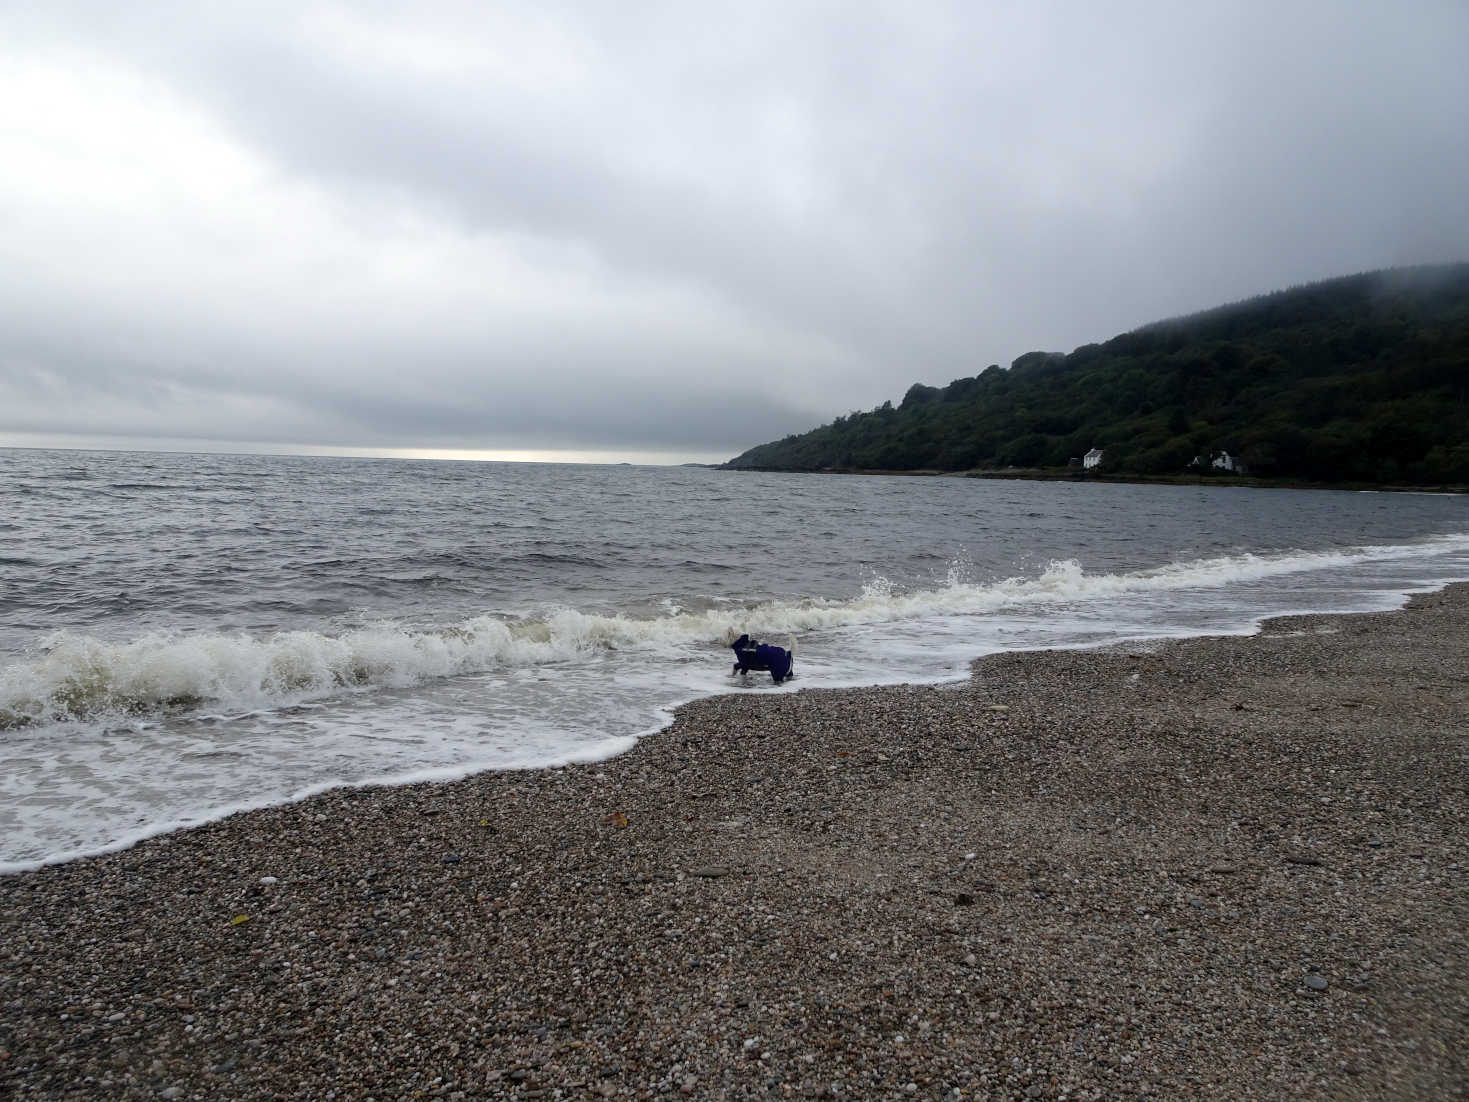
x=73, y=676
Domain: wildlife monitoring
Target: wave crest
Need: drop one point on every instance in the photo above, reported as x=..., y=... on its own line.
x=80, y=677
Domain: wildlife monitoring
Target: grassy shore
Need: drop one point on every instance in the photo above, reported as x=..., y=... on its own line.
x=1214, y=868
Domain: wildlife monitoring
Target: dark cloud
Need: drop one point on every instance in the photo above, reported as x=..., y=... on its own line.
x=692, y=229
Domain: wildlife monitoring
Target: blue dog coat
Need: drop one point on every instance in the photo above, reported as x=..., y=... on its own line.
x=761, y=656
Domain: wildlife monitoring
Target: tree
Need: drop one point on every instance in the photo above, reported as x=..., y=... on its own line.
x=1360, y=378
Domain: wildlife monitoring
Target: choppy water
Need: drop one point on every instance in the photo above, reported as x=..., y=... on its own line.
x=181, y=634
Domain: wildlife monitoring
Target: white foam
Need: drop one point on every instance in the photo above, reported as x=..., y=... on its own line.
x=77, y=676
x=590, y=753
x=491, y=694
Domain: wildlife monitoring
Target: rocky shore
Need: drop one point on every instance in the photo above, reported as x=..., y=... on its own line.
x=1214, y=868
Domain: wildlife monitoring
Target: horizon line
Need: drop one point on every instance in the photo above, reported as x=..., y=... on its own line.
x=640, y=457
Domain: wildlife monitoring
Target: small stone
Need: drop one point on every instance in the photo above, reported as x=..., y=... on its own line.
x=963, y=899
x=1316, y=982
x=269, y=880
x=451, y=859
x=710, y=872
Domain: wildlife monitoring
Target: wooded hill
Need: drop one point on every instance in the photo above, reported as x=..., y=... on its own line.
x=1363, y=379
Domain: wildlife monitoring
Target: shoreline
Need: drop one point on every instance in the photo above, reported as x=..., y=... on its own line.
x=1057, y=474
x=592, y=754
x=1210, y=867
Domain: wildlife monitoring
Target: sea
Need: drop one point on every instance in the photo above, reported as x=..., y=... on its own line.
x=183, y=636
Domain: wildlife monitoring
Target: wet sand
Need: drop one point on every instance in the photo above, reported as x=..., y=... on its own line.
x=1215, y=868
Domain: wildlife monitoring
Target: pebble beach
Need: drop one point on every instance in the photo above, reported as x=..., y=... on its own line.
x=1227, y=868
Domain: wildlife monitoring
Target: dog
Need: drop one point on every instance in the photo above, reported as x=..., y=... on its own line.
x=750, y=654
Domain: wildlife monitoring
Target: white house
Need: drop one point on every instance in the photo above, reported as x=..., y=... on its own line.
x=1091, y=458
x=1226, y=462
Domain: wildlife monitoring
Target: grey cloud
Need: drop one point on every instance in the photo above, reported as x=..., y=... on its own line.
x=842, y=199
x=456, y=401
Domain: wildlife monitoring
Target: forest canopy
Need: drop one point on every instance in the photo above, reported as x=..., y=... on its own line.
x=1363, y=378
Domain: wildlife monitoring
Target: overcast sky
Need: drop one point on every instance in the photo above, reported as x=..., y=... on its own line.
x=668, y=230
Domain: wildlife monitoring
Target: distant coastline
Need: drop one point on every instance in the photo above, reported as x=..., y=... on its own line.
x=1041, y=474
x=1356, y=381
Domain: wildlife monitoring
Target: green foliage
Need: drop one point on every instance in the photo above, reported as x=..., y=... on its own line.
x=1364, y=378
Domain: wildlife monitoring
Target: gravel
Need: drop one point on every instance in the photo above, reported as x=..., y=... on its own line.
x=1213, y=868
